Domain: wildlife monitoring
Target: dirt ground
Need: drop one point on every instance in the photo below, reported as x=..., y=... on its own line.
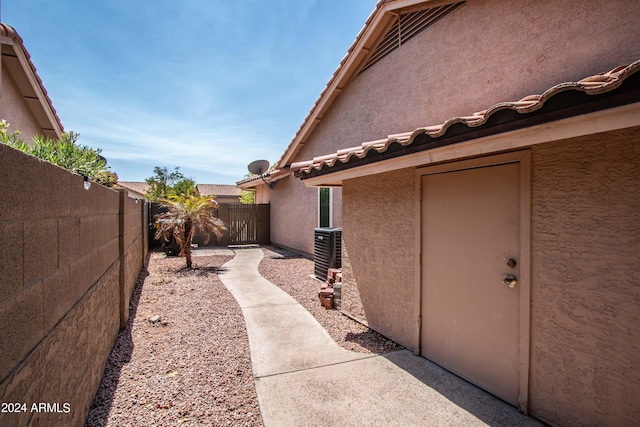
x=291, y=273
x=192, y=366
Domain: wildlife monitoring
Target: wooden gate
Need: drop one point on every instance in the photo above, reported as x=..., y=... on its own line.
x=248, y=224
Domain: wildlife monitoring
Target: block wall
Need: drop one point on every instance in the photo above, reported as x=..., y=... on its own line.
x=63, y=276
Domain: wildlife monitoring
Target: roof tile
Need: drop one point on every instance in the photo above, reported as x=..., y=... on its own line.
x=218, y=190
x=592, y=85
x=10, y=32
x=138, y=187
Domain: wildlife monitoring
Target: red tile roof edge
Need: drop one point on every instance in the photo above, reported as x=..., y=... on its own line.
x=593, y=85
x=10, y=32
x=272, y=175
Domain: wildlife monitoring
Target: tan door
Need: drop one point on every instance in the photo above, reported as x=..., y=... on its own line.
x=470, y=237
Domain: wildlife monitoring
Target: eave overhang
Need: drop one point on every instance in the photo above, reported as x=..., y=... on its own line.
x=270, y=176
x=17, y=60
x=375, y=27
x=597, y=104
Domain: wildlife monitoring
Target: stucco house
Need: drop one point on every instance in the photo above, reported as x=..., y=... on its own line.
x=24, y=102
x=487, y=153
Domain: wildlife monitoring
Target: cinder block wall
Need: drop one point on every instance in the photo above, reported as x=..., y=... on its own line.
x=69, y=261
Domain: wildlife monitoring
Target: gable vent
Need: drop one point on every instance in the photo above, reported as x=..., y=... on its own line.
x=405, y=27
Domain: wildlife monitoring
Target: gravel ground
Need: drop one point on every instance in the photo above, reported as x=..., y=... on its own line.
x=291, y=273
x=193, y=367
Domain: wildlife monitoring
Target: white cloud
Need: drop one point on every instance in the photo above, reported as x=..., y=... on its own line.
x=126, y=131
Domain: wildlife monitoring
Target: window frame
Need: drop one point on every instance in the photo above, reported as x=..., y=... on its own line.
x=330, y=207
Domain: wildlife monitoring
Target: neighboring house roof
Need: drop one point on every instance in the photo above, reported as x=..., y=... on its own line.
x=500, y=117
x=17, y=60
x=136, y=187
x=379, y=21
x=219, y=190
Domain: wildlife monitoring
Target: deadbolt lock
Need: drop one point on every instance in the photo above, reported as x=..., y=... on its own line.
x=511, y=262
x=510, y=280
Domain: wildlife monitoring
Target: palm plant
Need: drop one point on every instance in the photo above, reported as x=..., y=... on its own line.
x=186, y=213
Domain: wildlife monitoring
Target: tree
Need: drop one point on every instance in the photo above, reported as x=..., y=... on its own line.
x=65, y=152
x=184, y=186
x=106, y=178
x=247, y=197
x=186, y=214
x=163, y=184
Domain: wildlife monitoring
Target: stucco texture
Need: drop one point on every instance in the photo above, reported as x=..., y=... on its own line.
x=585, y=293
x=262, y=194
x=585, y=329
x=516, y=48
x=15, y=110
x=379, y=232
x=294, y=214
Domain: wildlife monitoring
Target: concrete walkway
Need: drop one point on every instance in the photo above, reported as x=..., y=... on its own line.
x=303, y=378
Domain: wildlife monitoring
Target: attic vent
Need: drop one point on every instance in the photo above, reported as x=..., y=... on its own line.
x=407, y=26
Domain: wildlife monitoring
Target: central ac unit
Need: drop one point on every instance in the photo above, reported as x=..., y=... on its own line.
x=327, y=251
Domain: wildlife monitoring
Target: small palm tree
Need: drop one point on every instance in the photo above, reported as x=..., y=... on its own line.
x=186, y=214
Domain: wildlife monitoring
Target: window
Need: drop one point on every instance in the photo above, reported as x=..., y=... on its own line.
x=324, y=207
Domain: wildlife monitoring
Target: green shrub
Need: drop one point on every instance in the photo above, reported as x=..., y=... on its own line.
x=65, y=153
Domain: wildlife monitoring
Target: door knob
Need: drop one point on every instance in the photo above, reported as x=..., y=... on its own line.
x=510, y=280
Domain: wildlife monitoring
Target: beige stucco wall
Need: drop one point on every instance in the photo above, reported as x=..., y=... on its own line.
x=485, y=52
x=378, y=230
x=63, y=285
x=263, y=194
x=516, y=49
x=14, y=109
x=294, y=214
x=585, y=294
x=585, y=329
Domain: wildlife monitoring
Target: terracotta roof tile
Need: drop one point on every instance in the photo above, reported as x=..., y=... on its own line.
x=218, y=190
x=592, y=85
x=10, y=32
x=272, y=175
x=248, y=180
x=138, y=187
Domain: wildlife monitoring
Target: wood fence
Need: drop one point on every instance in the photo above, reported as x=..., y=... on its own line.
x=247, y=224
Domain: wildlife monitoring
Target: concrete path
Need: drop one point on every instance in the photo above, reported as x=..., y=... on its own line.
x=207, y=251
x=303, y=378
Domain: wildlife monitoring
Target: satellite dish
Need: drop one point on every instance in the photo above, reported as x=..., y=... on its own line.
x=258, y=167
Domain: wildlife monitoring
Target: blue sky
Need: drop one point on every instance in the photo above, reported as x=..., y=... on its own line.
x=202, y=84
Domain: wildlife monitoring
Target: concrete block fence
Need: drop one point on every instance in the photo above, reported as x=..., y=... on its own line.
x=69, y=260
